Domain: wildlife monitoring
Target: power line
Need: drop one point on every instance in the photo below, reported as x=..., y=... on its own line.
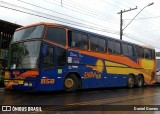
x=129, y=2
x=60, y=13
x=87, y=9
x=78, y=24
x=144, y=18
x=81, y=12
x=143, y=41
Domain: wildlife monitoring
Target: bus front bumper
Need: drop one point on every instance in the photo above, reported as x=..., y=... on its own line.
x=26, y=85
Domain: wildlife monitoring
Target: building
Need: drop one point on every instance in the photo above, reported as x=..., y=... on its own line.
x=6, y=32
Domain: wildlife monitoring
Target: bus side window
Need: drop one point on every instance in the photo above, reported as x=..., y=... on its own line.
x=117, y=47
x=94, y=43
x=125, y=49
x=141, y=52
x=130, y=50
x=102, y=45
x=56, y=35
x=147, y=53
x=136, y=50
x=48, y=58
x=110, y=46
x=78, y=40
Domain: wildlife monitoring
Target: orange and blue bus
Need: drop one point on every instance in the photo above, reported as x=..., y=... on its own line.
x=49, y=57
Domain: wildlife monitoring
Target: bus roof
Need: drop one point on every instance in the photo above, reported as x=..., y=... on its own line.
x=69, y=27
x=40, y=23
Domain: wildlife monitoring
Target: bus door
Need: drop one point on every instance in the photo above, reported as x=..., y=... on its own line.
x=53, y=64
x=48, y=67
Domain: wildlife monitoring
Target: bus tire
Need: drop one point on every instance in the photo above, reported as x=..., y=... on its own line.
x=140, y=82
x=71, y=83
x=131, y=81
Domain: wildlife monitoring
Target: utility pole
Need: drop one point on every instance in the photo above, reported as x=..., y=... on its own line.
x=121, y=20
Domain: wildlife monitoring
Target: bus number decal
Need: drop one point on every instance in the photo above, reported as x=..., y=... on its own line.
x=92, y=75
x=47, y=81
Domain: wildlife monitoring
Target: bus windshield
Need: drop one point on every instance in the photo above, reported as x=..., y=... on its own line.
x=24, y=55
x=28, y=33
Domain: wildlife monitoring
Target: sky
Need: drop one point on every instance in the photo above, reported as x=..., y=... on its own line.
x=98, y=16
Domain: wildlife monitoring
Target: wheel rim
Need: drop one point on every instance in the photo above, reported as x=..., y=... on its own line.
x=140, y=81
x=131, y=82
x=69, y=83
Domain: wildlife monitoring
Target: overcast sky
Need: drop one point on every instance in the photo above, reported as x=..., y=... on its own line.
x=99, y=16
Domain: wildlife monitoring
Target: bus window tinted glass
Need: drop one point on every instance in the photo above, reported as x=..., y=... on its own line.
x=78, y=40
x=28, y=33
x=57, y=35
x=98, y=44
x=94, y=43
x=141, y=53
x=147, y=53
x=125, y=49
x=61, y=56
x=110, y=46
x=130, y=50
x=136, y=50
x=102, y=45
x=117, y=48
x=48, y=59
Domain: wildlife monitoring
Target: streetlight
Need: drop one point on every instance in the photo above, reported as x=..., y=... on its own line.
x=121, y=30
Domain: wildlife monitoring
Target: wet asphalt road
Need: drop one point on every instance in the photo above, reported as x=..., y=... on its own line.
x=148, y=95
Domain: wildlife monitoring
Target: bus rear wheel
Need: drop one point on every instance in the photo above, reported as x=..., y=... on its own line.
x=140, y=81
x=71, y=83
x=131, y=81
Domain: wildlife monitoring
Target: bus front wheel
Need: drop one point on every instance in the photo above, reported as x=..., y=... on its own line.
x=131, y=81
x=71, y=83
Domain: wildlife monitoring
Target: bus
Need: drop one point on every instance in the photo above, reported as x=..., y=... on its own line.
x=51, y=57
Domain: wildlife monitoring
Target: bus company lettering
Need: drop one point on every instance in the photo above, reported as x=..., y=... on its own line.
x=92, y=75
x=47, y=81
